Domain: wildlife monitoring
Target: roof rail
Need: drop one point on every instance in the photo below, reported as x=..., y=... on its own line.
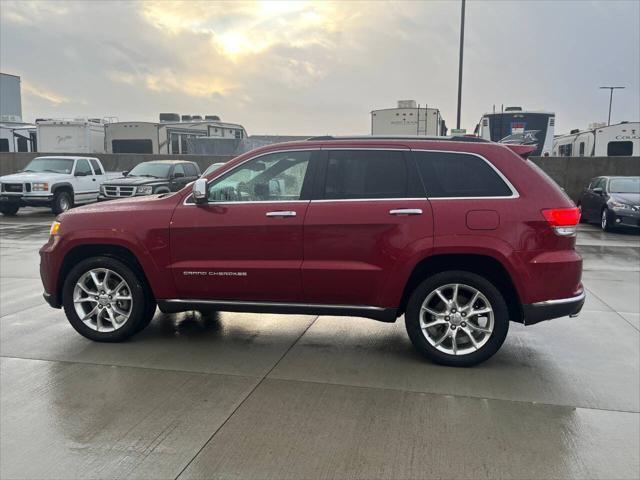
x=452, y=138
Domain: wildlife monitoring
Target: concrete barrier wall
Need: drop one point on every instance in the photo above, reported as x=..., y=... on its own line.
x=571, y=173
x=574, y=173
x=114, y=162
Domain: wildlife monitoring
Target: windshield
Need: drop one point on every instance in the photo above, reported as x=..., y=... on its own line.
x=50, y=164
x=625, y=185
x=160, y=170
x=212, y=168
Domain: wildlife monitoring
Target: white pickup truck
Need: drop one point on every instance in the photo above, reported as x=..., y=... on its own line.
x=55, y=182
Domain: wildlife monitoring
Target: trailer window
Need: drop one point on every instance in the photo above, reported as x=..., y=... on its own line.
x=23, y=146
x=4, y=144
x=620, y=149
x=132, y=146
x=582, y=149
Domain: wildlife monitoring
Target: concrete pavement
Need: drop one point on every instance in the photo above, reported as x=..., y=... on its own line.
x=235, y=395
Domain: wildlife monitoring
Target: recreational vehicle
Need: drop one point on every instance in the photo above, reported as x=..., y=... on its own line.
x=408, y=119
x=18, y=137
x=599, y=140
x=168, y=137
x=79, y=135
x=514, y=122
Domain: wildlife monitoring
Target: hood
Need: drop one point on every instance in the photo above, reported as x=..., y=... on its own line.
x=128, y=204
x=628, y=198
x=28, y=177
x=134, y=181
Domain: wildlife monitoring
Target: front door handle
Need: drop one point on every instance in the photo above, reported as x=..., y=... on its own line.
x=282, y=213
x=406, y=211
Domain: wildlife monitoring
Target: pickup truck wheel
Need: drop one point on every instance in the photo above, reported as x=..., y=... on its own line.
x=457, y=318
x=62, y=202
x=9, y=210
x=104, y=300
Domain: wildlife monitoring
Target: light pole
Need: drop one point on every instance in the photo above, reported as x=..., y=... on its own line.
x=611, y=89
x=460, y=64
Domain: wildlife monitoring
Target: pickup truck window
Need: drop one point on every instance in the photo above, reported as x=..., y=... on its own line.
x=50, y=164
x=151, y=169
x=275, y=176
x=83, y=167
x=96, y=167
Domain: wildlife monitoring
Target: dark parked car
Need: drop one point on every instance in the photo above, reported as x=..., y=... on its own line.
x=460, y=236
x=148, y=178
x=612, y=202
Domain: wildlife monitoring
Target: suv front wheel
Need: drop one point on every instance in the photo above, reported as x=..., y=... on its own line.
x=457, y=318
x=105, y=300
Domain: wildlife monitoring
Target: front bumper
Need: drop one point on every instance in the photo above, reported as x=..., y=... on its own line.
x=549, y=309
x=624, y=218
x=24, y=200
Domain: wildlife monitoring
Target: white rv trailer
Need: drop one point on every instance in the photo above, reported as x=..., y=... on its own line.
x=18, y=137
x=408, y=119
x=515, y=122
x=165, y=137
x=78, y=135
x=600, y=140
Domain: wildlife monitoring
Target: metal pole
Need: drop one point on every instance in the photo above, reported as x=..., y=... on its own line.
x=460, y=64
x=611, y=89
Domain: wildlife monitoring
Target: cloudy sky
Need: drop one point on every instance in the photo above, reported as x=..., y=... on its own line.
x=282, y=67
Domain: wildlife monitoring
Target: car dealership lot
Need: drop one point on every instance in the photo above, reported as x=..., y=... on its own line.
x=273, y=396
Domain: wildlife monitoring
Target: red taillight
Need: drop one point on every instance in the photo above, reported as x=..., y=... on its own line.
x=562, y=220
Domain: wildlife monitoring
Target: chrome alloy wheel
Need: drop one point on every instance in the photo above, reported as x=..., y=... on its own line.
x=64, y=204
x=102, y=300
x=456, y=319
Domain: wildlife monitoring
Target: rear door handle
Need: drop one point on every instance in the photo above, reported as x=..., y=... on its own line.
x=406, y=211
x=282, y=213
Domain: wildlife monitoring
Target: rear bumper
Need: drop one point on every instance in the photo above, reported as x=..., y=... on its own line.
x=549, y=309
x=52, y=300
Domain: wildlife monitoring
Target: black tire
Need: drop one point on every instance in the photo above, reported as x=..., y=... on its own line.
x=493, y=295
x=149, y=312
x=605, y=220
x=9, y=210
x=62, y=201
x=139, y=308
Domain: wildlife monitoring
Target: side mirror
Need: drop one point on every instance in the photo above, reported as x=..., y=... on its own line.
x=80, y=174
x=598, y=191
x=178, y=175
x=125, y=173
x=200, y=191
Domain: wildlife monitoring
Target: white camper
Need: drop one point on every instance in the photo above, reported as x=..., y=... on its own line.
x=17, y=137
x=79, y=135
x=599, y=140
x=167, y=136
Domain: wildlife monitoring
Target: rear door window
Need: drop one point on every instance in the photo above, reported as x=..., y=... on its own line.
x=448, y=175
x=363, y=174
x=96, y=167
x=190, y=170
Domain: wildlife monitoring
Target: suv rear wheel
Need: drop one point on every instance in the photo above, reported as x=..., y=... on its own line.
x=105, y=300
x=457, y=318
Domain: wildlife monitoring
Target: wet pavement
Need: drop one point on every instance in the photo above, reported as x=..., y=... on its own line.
x=235, y=395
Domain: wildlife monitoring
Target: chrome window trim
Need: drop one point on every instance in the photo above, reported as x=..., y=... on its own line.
x=514, y=191
x=273, y=304
x=310, y=149
x=395, y=199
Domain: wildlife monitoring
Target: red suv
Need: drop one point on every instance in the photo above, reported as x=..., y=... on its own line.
x=459, y=235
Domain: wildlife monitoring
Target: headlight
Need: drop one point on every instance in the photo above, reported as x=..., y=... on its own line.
x=39, y=187
x=55, y=227
x=144, y=190
x=620, y=206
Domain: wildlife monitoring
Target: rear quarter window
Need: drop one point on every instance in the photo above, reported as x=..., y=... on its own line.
x=447, y=175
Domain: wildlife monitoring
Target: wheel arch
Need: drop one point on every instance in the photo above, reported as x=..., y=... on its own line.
x=484, y=265
x=65, y=186
x=118, y=252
